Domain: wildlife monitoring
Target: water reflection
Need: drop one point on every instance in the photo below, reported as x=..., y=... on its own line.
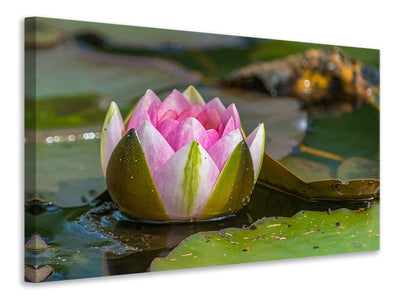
x=149, y=240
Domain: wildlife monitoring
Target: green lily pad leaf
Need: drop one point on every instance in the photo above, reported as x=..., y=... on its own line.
x=350, y=134
x=65, y=71
x=64, y=173
x=63, y=112
x=305, y=234
x=276, y=176
x=39, y=35
x=129, y=181
x=309, y=170
x=357, y=167
x=140, y=36
x=234, y=185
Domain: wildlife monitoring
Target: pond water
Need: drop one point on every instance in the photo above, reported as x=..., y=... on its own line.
x=97, y=240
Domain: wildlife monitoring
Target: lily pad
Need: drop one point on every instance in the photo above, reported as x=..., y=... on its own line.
x=65, y=173
x=140, y=36
x=348, y=135
x=276, y=176
x=66, y=71
x=307, y=169
x=357, y=167
x=305, y=234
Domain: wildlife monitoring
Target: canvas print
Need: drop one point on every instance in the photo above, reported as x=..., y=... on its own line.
x=151, y=150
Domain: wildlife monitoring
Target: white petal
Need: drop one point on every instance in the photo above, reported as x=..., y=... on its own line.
x=156, y=149
x=256, y=143
x=223, y=148
x=113, y=130
x=185, y=181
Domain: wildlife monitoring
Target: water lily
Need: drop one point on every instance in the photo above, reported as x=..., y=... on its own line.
x=180, y=159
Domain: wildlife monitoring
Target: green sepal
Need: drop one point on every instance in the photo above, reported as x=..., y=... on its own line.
x=193, y=96
x=234, y=185
x=129, y=181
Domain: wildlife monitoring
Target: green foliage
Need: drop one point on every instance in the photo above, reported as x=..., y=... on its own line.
x=306, y=234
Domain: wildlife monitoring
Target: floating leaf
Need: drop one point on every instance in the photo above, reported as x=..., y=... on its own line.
x=65, y=173
x=141, y=36
x=306, y=234
x=65, y=71
x=309, y=170
x=274, y=175
x=350, y=134
x=357, y=167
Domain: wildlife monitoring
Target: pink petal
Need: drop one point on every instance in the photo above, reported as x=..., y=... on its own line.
x=150, y=97
x=185, y=181
x=170, y=114
x=230, y=125
x=174, y=101
x=156, y=149
x=153, y=113
x=148, y=101
x=166, y=126
x=217, y=105
x=223, y=148
x=188, y=130
x=192, y=111
x=220, y=129
x=138, y=117
x=213, y=136
x=231, y=111
x=256, y=143
x=210, y=119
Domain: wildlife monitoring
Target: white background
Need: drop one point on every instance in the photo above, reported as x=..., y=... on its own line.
x=371, y=24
